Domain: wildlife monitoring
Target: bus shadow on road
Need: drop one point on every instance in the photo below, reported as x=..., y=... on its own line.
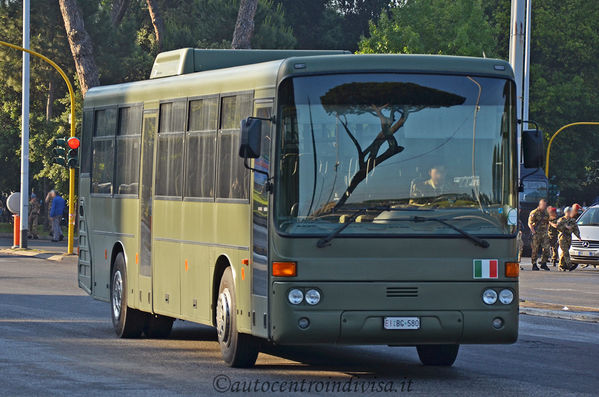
x=392, y=362
x=183, y=330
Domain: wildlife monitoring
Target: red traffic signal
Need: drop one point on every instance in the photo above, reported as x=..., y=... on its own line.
x=73, y=143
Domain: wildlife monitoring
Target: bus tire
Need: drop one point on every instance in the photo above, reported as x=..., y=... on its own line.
x=441, y=355
x=158, y=327
x=238, y=350
x=127, y=322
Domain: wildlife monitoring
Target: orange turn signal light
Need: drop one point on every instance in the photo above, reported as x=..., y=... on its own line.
x=284, y=269
x=512, y=269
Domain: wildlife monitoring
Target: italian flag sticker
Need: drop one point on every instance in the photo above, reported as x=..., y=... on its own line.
x=485, y=268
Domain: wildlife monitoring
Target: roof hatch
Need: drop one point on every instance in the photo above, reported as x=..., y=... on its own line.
x=190, y=60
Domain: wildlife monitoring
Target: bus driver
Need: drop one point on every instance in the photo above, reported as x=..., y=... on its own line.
x=423, y=191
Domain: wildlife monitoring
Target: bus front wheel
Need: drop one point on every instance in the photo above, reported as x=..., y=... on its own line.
x=238, y=349
x=441, y=355
x=127, y=322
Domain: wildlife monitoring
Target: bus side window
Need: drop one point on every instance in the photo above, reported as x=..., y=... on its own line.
x=169, y=165
x=128, y=143
x=233, y=177
x=201, y=147
x=103, y=150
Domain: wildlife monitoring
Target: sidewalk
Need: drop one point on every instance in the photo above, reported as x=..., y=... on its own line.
x=42, y=248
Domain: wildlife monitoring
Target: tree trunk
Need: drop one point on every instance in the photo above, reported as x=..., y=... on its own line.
x=118, y=10
x=80, y=43
x=50, y=102
x=244, y=27
x=156, y=22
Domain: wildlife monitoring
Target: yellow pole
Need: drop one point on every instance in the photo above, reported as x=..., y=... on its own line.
x=556, y=133
x=71, y=234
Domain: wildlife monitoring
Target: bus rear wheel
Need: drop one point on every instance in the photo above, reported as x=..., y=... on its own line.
x=127, y=322
x=238, y=349
x=441, y=355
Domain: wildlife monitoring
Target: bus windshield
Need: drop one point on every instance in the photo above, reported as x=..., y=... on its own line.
x=394, y=146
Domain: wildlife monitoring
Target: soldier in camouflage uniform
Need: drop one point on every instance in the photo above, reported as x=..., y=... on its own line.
x=34, y=213
x=567, y=226
x=538, y=222
x=552, y=234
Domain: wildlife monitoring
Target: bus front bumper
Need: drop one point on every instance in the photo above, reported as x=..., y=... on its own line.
x=353, y=323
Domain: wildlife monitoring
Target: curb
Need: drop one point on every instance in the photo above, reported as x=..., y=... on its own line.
x=561, y=314
x=51, y=256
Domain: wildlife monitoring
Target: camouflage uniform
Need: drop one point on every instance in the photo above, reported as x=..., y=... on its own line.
x=553, y=243
x=539, y=219
x=565, y=240
x=34, y=213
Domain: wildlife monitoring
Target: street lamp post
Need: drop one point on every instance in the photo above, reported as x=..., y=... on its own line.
x=24, y=208
x=72, y=212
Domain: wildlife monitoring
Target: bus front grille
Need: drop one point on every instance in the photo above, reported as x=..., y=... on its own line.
x=402, y=292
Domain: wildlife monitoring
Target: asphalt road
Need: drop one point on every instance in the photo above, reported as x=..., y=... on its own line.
x=55, y=340
x=577, y=288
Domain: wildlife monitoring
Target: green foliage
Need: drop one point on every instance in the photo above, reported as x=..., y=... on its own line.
x=210, y=24
x=564, y=81
x=432, y=27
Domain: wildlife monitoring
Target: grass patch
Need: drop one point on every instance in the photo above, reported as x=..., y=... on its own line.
x=41, y=230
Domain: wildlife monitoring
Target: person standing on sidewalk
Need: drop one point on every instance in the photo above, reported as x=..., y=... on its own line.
x=552, y=233
x=538, y=223
x=566, y=226
x=34, y=213
x=48, y=208
x=56, y=212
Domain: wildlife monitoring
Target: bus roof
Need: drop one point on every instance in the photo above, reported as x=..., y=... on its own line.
x=266, y=75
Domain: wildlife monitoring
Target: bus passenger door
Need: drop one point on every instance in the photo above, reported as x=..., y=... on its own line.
x=150, y=126
x=260, y=206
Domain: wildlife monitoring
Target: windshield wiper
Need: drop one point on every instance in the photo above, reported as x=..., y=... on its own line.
x=325, y=241
x=476, y=240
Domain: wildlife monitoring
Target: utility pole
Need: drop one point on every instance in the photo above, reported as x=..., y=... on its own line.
x=526, y=83
x=520, y=59
x=24, y=211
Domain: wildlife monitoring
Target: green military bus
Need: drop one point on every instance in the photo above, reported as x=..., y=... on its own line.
x=305, y=197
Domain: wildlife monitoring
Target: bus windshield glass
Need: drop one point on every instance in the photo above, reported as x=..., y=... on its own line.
x=396, y=147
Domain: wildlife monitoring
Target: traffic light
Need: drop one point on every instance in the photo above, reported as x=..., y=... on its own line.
x=73, y=153
x=59, y=150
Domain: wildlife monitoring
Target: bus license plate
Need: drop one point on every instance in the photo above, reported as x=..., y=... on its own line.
x=402, y=323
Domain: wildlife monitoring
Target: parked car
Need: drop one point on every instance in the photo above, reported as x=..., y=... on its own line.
x=586, y=250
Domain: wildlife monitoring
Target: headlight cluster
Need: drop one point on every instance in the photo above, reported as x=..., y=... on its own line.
x=505, y=296
x=297, y=296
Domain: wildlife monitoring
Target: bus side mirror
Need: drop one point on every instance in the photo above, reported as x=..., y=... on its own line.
x=532, y=148
x=251, y=135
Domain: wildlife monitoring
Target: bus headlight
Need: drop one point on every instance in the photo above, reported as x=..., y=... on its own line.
x=312, y=297
x=506, y=296
x=489, y=296
x=295, y=296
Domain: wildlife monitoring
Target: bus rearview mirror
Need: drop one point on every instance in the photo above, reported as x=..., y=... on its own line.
x=251, y=131
x=532, y=148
